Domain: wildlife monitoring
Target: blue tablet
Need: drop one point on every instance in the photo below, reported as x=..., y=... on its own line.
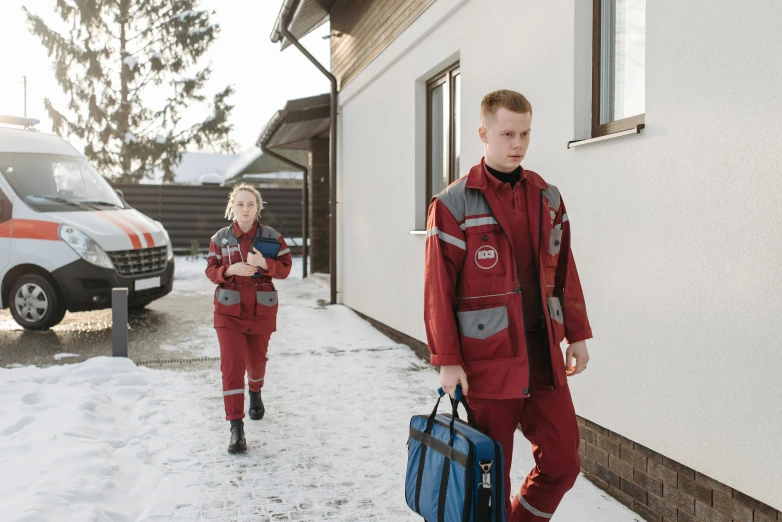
x=268, y=248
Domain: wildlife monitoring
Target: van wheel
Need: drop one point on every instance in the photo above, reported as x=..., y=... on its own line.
x=34, y=303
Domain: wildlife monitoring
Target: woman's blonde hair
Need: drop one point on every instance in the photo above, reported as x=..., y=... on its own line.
x=229, y=210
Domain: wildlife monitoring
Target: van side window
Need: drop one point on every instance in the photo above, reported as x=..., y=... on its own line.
x=5, y=207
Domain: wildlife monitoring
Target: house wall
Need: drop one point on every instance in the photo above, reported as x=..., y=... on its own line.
x=676, y=231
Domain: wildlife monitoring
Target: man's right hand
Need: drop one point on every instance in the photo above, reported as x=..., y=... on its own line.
x=450, y=376
x=240, y=269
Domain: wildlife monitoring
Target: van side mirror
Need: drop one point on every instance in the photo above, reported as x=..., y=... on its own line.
x=120, y=194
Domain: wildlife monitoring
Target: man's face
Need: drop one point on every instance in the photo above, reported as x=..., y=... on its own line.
x=506, y=138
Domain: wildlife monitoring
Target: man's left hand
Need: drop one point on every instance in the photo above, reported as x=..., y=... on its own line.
x=581, y=354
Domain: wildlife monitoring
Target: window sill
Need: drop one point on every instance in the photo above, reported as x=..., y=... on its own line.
x=578, y=143
x=418, y=232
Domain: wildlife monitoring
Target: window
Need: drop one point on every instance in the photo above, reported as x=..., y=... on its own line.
x=51, y=183
x=618, y=65
x=5, y=208
x=443, y=120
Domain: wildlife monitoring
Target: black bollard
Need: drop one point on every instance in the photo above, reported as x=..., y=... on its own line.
x=119, y=322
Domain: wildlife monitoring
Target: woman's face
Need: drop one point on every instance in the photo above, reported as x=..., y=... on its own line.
x=245, y=206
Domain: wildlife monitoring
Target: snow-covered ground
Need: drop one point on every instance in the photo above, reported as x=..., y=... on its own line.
x=104, y=440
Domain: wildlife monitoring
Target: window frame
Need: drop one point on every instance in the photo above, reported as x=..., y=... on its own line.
x=612, y=127
x=446, y=77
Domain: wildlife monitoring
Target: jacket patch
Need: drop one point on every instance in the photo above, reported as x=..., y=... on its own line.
x=486, y=257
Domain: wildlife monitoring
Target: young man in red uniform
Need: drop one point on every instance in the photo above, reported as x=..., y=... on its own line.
x=501, y=292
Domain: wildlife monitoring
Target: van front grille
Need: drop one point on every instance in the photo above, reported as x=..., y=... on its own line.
x=139, y=262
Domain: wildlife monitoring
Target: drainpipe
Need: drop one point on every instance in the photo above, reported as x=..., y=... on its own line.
x=332, y=153
x=305, y=206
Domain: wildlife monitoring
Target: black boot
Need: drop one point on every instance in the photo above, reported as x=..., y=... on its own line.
x=237, y=444
x=256, y=406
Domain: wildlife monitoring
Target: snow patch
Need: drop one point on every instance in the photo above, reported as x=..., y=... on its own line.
x=198, y=30
x=61, y=356
x=107, y=440
x=130, y=61
x=184, y=15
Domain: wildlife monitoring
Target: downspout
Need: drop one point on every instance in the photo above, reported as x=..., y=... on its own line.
x=305, y=196
x=305, y=207
x=332, y=154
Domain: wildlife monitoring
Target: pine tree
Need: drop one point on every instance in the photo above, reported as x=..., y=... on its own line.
x=116, y=56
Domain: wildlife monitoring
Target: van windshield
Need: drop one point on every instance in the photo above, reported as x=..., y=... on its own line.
x=48, y=183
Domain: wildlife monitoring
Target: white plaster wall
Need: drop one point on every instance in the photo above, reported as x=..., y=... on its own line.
x=677, y=232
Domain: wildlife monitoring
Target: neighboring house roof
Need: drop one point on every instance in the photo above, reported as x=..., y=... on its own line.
x=298, y=122
x=303, y=16
x=196, y=168
x=253, y=162
x=296, y=175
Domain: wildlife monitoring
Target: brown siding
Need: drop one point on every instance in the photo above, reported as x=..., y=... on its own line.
x=320, y=196
x=194, y=213
x=367, y=28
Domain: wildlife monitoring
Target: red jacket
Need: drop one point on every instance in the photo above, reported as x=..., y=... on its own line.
x=244, y=303
x=472, y=292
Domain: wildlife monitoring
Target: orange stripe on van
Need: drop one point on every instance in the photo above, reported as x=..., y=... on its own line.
x=5, y=229
x=134, y=239
x=140, y=225
x=30, y=229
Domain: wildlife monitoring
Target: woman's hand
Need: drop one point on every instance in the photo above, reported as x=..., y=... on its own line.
x=240, y=269
x=255, y=258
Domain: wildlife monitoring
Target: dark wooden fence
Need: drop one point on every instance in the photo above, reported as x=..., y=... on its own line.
x=191, y=214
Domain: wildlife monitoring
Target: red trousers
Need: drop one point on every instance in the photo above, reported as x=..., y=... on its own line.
x=548, y=420
x=240, y=353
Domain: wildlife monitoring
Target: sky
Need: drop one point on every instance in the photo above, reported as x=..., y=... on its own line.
x=243, y=56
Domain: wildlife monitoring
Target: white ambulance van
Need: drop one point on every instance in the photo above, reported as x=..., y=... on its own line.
x=66, y=236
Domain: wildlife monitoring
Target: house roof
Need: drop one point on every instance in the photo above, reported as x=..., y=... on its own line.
x=298, y=122
x=195, y=168
x=302, y=16
x=253, y=161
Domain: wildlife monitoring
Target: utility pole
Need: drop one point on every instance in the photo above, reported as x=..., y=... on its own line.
x=25, y=95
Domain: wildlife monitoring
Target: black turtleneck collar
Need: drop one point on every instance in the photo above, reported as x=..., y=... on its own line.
x=506, y=177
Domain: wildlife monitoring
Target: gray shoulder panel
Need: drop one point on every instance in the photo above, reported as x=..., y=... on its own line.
x=476, y=203
x=268, y=232
x=552, y=195
x=221, y=234
x=454, y=200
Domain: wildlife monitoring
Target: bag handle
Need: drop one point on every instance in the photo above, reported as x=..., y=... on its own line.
x=459, y=398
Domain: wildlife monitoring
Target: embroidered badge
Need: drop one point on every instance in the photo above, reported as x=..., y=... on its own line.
x=486, y=257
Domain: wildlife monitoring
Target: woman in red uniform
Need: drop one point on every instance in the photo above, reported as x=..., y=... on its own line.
x=245, y=304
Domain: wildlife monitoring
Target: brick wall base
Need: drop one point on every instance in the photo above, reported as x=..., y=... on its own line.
x=420, y=349
x=658, y=488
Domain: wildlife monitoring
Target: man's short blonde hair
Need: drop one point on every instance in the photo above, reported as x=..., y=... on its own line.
x=504, y=98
